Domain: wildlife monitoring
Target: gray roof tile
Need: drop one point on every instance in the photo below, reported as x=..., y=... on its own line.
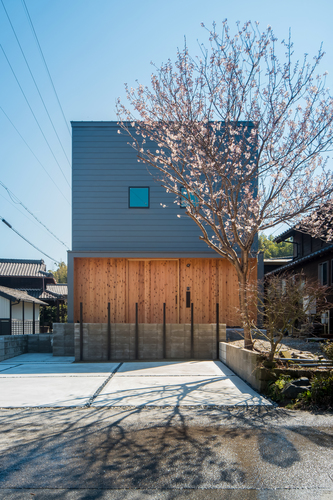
x=15, y=267
x=58, y=289
x=13, y=294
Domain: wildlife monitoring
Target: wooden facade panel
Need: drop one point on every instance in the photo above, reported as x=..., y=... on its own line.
x=150, y=283
x=97, y=282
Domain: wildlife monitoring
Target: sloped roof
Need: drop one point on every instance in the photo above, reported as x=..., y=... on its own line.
x=16, y=267
x=301, y=260
x=60, y=289
x=286, y=234
x=13, y=294
x=38, y=293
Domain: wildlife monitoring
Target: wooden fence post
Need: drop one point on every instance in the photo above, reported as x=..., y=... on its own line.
x=192, y=332
x=217, y=330
x=109, y=333
x=81, y=332
x=136, y=332
x=164, y=331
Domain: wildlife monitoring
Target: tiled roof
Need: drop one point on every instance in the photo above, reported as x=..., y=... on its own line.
x=13, y=294
x=15, y=267
x=39, y=294
x=60, y=289
x=34, y=292
x=286, y=234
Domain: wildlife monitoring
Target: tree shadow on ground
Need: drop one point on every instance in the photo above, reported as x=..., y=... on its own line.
x=177, y=448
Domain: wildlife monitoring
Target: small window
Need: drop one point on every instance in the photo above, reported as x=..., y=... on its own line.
x=323, y=273
x=138, y=197
x=193, y=198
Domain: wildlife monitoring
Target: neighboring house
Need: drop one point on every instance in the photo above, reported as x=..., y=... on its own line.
x=275, y=263
x=25, y=275
x=127, y=249
x=313, y=257
x=32, y=277
x=19, y=312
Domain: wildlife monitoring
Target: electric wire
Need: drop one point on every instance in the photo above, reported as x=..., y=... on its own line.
x=33, y=114
x=25, y=142
x=13, y=197
x=22, y=213
x=46, y=67
x=25, y=239
x=33, y=79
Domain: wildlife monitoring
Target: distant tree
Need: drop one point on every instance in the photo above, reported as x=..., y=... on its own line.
x=274, y=250
x=240, y=135
x=48, y=315
x=60, y=274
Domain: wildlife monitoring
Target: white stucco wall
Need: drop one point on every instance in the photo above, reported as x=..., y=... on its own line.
x=28, y=311
x=4, y=308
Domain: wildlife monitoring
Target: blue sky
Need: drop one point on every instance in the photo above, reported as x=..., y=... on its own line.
x=92, y=47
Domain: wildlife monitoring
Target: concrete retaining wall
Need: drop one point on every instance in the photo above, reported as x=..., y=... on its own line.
x=41, y=342
x=63, y=339
x=150, y=341
x=245, y=364
x=14, y=345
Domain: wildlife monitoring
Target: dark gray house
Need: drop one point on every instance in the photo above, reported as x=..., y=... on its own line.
x=130, y=247
x=314, y=258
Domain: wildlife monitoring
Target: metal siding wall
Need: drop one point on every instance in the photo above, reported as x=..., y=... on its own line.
x=104, y=166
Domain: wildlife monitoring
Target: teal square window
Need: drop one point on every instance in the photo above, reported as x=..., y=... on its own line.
x=138, y=197
x=192, y=198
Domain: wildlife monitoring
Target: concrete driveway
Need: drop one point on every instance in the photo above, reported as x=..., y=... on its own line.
x=41, y=380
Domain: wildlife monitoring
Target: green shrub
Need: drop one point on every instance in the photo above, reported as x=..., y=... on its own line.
x=320, y=395
x=327, y=348
x=275, y=388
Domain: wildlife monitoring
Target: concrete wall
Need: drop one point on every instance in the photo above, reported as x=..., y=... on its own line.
x=150, y=342
x=245, y=364
x=14, y=345
x=63, y=339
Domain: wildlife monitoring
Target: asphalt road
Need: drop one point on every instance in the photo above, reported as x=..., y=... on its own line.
x=165, y=453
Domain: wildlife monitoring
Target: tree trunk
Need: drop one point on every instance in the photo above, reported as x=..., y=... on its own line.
x=243, y=304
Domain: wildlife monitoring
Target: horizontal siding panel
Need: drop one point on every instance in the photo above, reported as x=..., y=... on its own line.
x=85, y=163
x=104, y=166
x=94, y=190
x=136, y=237
x=105, y=247
x=109, y=223
x=85, y=215
x=105, y=147
x=106, y=155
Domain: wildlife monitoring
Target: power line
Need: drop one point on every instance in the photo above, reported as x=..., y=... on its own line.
x=25, y=239
x=33, y=79
x=33, y=114
x=22, y=213
x=46, y=67
x=25, y=142
x=13, y=197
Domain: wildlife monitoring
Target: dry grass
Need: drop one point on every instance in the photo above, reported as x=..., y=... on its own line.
x=298, y=347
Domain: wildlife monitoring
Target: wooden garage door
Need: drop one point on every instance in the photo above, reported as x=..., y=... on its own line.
x=150, y=284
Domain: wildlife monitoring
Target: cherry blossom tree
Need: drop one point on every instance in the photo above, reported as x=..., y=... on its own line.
x=240, y=135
